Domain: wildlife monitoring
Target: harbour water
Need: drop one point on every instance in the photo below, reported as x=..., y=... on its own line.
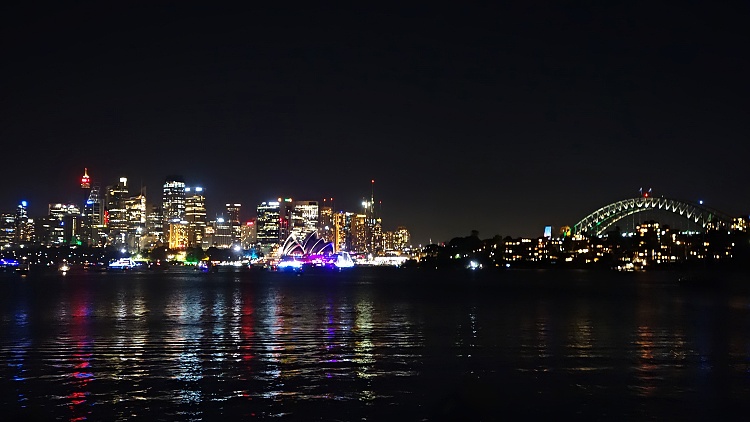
x=373, y=344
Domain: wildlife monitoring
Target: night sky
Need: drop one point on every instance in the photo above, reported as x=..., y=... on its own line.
x=500, y=119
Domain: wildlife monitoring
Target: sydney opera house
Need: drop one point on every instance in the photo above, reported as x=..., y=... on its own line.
x=311, y=252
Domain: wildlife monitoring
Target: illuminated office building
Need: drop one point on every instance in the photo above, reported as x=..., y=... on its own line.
x=360, y=236
x=135, y=216
x=93, y=212
x=173, y=201
x=233, y=219
x=268, y=226
x=62, y=226
x=178, y=235
x=248, y=234
x=325, y=224
x=23, y=226
x=59, y=211
x=223, y=234
x=7, y=229
x=401, y=238
x=48, y=231
x=377, y=240
x=154, y=228
x=195, y=215
x=342, y=231
x=115, y=215
x=303, y=218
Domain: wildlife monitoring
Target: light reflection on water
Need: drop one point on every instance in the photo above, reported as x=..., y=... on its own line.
x=197, y=346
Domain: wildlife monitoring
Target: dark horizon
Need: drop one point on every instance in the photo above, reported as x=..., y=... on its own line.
x=500, y=119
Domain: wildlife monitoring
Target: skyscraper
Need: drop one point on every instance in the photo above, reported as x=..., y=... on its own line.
x=116, y=215
x=68, y=220
x=7, y=228
x=325, y=223
x=268, y=226
x=135, y=218
x=233, y=219
x=173, y=202
x=223, y=236
x=304, y=218
x=249, y=234
x=154, y=228
x=195, y=215
x=94, y=217
x=23, y=231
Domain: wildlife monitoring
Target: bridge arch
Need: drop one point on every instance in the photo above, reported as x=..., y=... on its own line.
x=600, y=220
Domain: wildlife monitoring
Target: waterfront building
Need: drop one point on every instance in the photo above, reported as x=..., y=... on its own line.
x=342, y=231
x=389, y=243
x=303, y=219
x=173, y=201
x=360, y=234
x=135, y=216
x=178, y=234
x=401, y=238
x=62, y=226
x=233, y=219
x=115, y=215
x=208, y=235
x=94, y=231
x=195, y=215
x=223, y=234
x=24, y=230
x=377, y=241
x=7, y=229
x=268, y=226
x=248, y=234
x=325, y=223
x=154, y=228
x=48, y=231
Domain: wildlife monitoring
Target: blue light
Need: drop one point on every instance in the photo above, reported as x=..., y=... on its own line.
x=23, y=203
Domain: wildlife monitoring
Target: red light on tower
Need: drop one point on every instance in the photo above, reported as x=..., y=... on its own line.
x=85, y=179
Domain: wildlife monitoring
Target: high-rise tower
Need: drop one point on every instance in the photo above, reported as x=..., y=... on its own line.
x=116, y=215
x=22, y=228
x=195, y=215
x=304, y=218
x=268, y=226
x=85, y=180
x=173, y=201
x=233, y=219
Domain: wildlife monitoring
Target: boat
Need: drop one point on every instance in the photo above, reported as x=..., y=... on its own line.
x=120, y=264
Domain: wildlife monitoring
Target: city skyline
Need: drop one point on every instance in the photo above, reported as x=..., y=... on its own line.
x=501, y=118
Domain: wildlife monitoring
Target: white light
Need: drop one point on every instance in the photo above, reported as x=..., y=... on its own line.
x=237, y=248
x=700, y=202
x=199, y=189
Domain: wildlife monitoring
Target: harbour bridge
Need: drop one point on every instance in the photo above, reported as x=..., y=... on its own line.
x=600, y=220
